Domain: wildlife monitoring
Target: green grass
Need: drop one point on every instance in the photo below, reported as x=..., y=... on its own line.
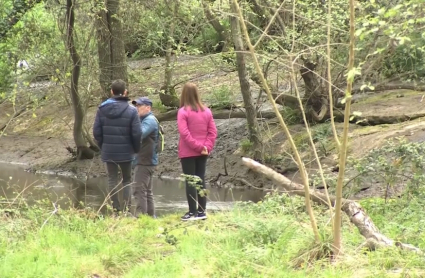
x=269, y=239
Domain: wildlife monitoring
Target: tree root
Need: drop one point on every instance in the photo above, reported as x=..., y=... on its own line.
x=354, y=211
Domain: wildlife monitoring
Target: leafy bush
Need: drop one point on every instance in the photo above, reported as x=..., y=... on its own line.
x=246, y=146
x=406, y=60
x=397, y=163
x=222, y=97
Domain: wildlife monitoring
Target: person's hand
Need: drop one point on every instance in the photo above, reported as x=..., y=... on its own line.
x=204, y=151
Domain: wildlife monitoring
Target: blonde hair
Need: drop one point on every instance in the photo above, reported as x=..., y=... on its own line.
x=190, y=97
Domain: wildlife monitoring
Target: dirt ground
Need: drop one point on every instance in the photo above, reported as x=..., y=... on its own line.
x=38, y=138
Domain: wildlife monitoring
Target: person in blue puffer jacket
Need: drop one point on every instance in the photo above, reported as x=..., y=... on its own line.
x=117, y=132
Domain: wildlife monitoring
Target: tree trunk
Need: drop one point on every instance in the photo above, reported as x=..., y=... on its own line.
x=251, y=115
x=104, y=53
x=110, y=46
x=279, y=20
x=223, y=34
x=167, y=94
x=119, y=62
x=82, y=150
x=315, y=100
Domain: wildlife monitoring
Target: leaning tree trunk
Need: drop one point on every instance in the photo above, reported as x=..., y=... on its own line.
x=167, y=94
x=111, y=48
x=222, y=32
x=251, y=113
x=261, y=13
x=82, y=150
x=315, y=99
x=265, y=17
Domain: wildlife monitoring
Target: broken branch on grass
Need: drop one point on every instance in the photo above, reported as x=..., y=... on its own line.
x=354, y=211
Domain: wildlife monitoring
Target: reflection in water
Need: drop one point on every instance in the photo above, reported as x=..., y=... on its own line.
x=169, y=194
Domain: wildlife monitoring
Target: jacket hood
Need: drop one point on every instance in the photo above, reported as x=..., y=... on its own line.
x=113, y=108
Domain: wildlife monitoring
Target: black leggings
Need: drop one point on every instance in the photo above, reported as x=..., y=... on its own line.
x=195, y=166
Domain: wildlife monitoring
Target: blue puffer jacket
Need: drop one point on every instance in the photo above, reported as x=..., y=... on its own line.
x=117, y=130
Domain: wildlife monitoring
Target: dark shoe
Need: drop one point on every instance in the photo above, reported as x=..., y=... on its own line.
x=188, y=216
x=201, y=216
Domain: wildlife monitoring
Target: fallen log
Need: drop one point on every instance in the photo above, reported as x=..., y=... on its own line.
x=339, y=117
x=377, y=120
x=390, y=87
x=220, y=114
x=287, y=100
x=354, y=211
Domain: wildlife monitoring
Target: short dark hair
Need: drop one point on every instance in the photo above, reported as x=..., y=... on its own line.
x=118, y=87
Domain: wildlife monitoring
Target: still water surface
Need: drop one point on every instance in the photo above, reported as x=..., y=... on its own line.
x=169, y=194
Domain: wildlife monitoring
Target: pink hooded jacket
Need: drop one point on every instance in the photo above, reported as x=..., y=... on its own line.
x=197, y=129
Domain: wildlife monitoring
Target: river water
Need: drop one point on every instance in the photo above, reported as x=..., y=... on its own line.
x=16, y=185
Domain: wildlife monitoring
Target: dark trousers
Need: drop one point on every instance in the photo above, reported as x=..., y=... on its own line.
x=114, y=184
x=195, y=166
x=142, y=190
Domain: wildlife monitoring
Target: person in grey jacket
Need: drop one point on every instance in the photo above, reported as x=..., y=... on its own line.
x=147, y=158
x=117, y=132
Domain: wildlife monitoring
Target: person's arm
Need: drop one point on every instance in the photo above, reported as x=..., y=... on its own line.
x=149, y=125
x=211, y=133
x=136, y=133
x=97, y=130
x=185, y=133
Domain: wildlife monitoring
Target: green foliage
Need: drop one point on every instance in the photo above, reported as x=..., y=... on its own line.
x=208, y=39
x=267, y=239
x=406, y=59
x=158, y=106
x=391, y=34
x=400, y=220
x=221, y=97
x=36, y=39
x=246, y=146
x=323, y=137
x=194, y=181
x=397, y=167
x=398, y=162
x=146, y=29
x=6, y=78
x=291, y=116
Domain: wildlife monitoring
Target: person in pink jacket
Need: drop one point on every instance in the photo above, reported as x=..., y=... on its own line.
x=198, y=133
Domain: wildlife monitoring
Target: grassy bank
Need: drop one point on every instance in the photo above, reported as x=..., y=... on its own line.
x=270, y=239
